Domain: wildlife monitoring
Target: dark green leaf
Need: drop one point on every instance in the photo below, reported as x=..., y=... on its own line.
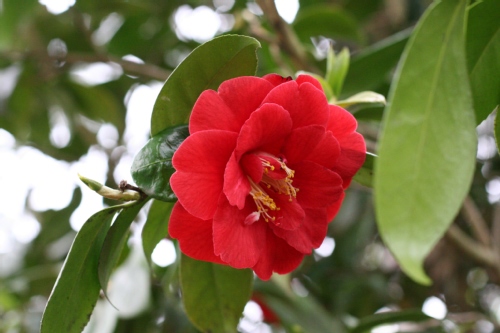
x=428, y=148
x=364, y=176
x=328, y=21
x=367, y=323
x=156, y=227
x=214, y=295
x=371, y=67
x=483, y=55
x=210, y=64
x=115, y=241
x=304, y=314
x=77, y=287
x=152, y=166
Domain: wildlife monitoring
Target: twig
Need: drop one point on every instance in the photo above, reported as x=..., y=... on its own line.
x=287, y=38
x=474, y=218
x=475, y=250
x=130, y=67
x=495, y=228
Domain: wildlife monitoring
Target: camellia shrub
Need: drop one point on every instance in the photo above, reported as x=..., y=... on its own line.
x=246, y=174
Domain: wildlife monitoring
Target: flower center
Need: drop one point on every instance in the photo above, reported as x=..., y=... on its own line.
x=277, y=177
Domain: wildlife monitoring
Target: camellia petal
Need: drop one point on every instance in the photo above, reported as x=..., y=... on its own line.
x=311, y=233
x=306, y=103
x=266, y=129
x=236, y=184
x=312, y=143
x=334, y=208
x=200, y=162
x=277, y=256
x=194, y=235
x=229, y=107
x=319, y=187
x=230, y=232
x=352, y=156
x=307, y=78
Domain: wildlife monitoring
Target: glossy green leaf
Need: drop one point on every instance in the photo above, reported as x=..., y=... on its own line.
x=372, y=66
x=364, y=176
x=384, y=318
x=214, y=295
x=302, y=314
x=427, y=151
x=152, y=166
x=156, y=226
x=77, y=288
x=328, y=21
x=210, y=64
x=115, y=241
x=483, y=56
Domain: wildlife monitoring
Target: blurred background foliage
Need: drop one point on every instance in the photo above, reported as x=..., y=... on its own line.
x=78, y=81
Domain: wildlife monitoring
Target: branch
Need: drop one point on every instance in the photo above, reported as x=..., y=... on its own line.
x=129, y=67
x=475, y=250
x=474, y=218
x=287, y=39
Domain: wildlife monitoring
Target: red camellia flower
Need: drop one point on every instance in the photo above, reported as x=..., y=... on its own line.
x=262, y=173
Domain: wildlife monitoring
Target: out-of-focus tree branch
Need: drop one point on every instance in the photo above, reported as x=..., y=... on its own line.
x=482, y=254
x=287, y=39
x=133, y=68
x=473, y=216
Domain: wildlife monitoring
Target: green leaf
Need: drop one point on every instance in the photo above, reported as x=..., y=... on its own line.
x=365, y=97
x=364, y=176
x=371, y=67
x=300, y=314
x=115, y=241
x=367, y=323
x=152, y=166
x=210, y=64
x=156, y=227
x=328, y=21
x=336, y=69
x=214, y=295
x=77, y=287
x=483, y=54
x=428, y=148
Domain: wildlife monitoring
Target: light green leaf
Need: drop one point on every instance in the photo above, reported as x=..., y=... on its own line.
x=210, y=64
x=214, y=295
x=483, y=56
x=427, y=151
x=336, y=69
x=115, y=241
x=156, y=227
x=365, y=97
x=77, y=287
x=152, y=166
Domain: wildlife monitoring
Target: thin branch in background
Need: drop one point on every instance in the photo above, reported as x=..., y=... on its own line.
x=478, y=225
x=287, y=39
x=474, y=249
x=129, y=67
x=495, y=227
